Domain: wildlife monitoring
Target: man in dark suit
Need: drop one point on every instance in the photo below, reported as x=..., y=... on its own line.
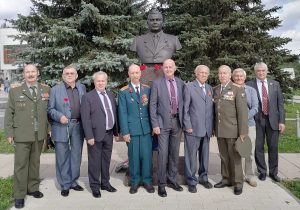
x=231, y=122
x=135, y=128
x=99, y=116
x=26, y=126
x=270, y=121
x=198, y=124
x=166, y=112
x=154, y=47
x=64, y=109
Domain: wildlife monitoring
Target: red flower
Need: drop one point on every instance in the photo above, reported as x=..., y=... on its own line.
x=143, y=67
x=157, y=66
x=66, y=99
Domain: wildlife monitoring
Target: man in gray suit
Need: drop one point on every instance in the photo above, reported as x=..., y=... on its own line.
x=166, y=112
x=269, y=121
x=154, y=47
x=99, y=116
x=198, y=119
x=64, y=109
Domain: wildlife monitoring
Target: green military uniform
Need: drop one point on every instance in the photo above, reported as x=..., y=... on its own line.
x=26, y=121
x=134, y=119
x=231, y=122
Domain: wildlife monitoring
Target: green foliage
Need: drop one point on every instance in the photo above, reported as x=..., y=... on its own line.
x=293, y=186
x=6, y=193
x=5, y=147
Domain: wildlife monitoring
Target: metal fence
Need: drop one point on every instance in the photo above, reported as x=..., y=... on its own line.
x=297, y=123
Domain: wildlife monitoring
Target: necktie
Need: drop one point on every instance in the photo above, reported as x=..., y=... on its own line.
x=137, y=92
x=264, y=98
x=173, y=98
x=222, y=88
x=155, y=40
x=108, y=111
x=203, y=91
x=34, y=99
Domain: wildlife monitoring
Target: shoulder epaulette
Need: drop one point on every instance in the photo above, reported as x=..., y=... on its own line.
x=45, y=85
x=16, y=86
x=146, y=85
x=234, y=84
x=124, y=88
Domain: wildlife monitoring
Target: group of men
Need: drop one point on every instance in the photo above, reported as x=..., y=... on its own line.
x=167, y=109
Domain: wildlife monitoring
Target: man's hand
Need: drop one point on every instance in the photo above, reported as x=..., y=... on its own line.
x=281, y=128
x=242, y=137
x=189, y=130
x=91, y=142
x=126, y=138
x=156, y=130
x=10, y=140
x=64, y=120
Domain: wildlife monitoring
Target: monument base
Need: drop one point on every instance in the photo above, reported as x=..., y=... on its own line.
x=150, y=72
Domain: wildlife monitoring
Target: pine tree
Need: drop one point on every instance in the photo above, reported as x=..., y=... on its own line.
x=232, y=32
x=93, y=35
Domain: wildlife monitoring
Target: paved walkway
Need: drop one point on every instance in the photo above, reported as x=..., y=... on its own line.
x=267, y=195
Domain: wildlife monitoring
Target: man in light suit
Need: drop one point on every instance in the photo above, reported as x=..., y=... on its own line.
x=231, y=122
x=154, y=47
x=270, y=121
x=166, y=112
x=135, y=128
x=64, y=109
x=99, y=119
x=198, y=119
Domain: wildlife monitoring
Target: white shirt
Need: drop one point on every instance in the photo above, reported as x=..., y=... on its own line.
x=259, y=85
x=110, y=106
x=202, y=86
x=134, y=86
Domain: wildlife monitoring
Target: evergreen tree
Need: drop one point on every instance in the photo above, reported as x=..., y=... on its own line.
x=93, y=35
x=232, y=32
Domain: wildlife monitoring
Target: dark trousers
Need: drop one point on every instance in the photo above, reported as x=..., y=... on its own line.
x=27, y=167
x=99, y=156
x=231, y=162
x=264, y=131
x=168, y=153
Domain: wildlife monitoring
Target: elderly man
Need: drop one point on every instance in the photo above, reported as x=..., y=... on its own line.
x=26, y=126
x=231, y=122
x=134, y=120
x=198, y=125
x=166, y=111
x=64, y=109
x=99, y=116
x=154, y=47
x=239, y=77
x=269, y=120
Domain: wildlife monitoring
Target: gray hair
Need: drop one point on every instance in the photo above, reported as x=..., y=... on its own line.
x=199, y=67
x=70, y=67
x=98, y=73
x=261, y=64
x=225, y=67
x=238, y=70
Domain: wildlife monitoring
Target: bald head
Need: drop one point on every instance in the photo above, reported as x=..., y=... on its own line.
x=169, y=68
x=134, y=73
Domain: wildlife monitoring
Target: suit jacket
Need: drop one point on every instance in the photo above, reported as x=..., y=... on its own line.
x=134, y=117
x=160, y=103
x=198, y=109
x=93, y=115
x=148, y=53
x=58, y=106
x=231, y=111
x=276, y=103
x=19, y=114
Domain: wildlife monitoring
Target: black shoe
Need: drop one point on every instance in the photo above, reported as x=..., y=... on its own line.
x=206, y=184
x=133, y=189
x=162, y=192
x=96, y=193
x=238, y=190
x=36, y=194
x=19, y=203
x=77, y=188
x=65, y=193
x=108, y=188
x=192, y=188
x=222, y=185
x=149, y=188
x=275, y=178
x=262, y=177
x=175, y=186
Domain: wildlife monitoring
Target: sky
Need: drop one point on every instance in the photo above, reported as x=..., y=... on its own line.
x=289, y=14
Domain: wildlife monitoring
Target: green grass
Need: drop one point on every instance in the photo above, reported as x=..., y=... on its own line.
x=293, y=186
x=5, y=147
x=296, y=92
x=6, y=193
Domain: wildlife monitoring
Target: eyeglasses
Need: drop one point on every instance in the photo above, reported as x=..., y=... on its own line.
x=69, y=73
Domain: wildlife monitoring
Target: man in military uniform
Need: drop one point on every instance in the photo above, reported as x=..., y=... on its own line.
x=231, y=123
x=26, y=127
x=135, y=127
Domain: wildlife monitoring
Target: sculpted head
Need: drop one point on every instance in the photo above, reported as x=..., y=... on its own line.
x=134, y=73
x=155, y=21
x=201, y=73
x=30, y=74
x=224, y=73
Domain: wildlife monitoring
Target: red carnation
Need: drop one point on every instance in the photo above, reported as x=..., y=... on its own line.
x=66, y=99
x=143, y=67
x=157, y=66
